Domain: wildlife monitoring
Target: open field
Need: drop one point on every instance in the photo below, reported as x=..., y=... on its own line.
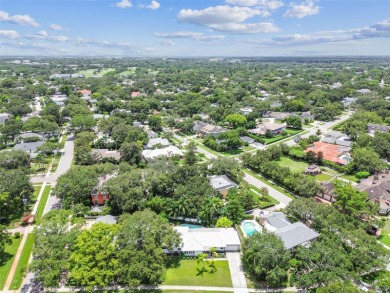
x=294, y=165
x=186, y=272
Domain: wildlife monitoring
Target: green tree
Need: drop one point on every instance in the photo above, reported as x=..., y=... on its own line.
x=190, y=156
x=294, y=122
x=131, y=153
x=5, y=239
x=82, y=123
x=14, y=159
x=223, y=222
x=266, y=258
x=234, y=210
x=341, y=287
x=154, y=122
x=141, y=241
x=366, y=159
x=94, y=259
x=235, y=120
x=210, y=210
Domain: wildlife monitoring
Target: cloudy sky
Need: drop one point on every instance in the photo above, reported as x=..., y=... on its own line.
x=195, y=27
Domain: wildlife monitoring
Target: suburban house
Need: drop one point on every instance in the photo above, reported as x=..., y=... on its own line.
x=151, y=133
x=98, y=196
x=276, y=115
x=275, y=128
x=205, y=129
x=107, y=219
x=336, y=137
x=246, y=110
x=169, y=151
x=200, y=240
x=29, y=147
x=59, y=99
x=247, y=139
x=364, y=91
x=292, y=235
x=331, y=152
x=372, y=128
x=108, y=154
x=4, y=117
x=221, y=183
x=307, y=116
x=313, y=170
x=157, y=142
x=378, y=189
x=138, y=124
x=348, y=101
x=86, y=94
x=327, y=194
x=100, y=116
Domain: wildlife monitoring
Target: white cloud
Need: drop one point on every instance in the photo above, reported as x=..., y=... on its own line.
x=190, y=35
x=228, y=19
x=42, y=33
x=18, y=19
x=167, y=43
x=9, y=34
x=124, y=4
x=266, y=4
x=57, y=27
x=302, y=10
x=127, y=47
x=378, y=30
x=246, y=28
x=153, y=5
x=217, y=15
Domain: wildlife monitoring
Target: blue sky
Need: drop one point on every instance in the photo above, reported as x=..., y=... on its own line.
x=194, y=28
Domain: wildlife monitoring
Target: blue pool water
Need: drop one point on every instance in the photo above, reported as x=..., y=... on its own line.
x=191, y=226
x=249, y=228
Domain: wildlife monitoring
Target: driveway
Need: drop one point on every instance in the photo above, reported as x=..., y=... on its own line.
x=237, y=272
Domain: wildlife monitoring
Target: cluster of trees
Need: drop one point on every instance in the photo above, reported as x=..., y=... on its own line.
x=263, y=161
x=129, y=253
x=163, y=186
x=224, y=141
x=15, y=186
x=343, y=252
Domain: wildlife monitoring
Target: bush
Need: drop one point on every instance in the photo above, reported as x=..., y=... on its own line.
x=17, y=235
x=362, y=174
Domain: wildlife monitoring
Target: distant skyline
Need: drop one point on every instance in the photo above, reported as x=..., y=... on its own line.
x=194, y=28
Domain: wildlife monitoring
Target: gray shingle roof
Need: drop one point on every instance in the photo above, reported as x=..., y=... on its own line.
x=296, y=234
x=277, y=220
x=221, y=182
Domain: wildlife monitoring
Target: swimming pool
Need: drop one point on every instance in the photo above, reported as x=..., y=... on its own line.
x=249, y=228
x=190, y=226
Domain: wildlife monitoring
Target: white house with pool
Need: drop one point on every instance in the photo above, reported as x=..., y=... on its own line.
x=199, y=240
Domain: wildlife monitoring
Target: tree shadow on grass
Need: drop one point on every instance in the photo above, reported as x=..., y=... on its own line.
x=173, y=261
x=4, y=258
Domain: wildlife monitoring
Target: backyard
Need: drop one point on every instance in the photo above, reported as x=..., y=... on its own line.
x=294, y=165
x=187, y=272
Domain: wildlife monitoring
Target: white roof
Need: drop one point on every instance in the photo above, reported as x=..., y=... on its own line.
x=165, y=152
x=155, y=141
x=204, y=238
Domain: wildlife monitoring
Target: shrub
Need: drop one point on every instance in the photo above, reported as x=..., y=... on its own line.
x=17, y=235
x=362, y=174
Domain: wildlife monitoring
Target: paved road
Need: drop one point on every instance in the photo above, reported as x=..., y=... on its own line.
x=237, y=272
x=284, y=200
x=63, y=166
x=323, y=128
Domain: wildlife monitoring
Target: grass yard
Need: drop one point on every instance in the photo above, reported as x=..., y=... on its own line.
x=277, y=187
x=130, y=71
x=42, y=202
x=262, y=201
x=294, y=165
x=56, y=162
x=385, y=238
x=248, y=148
x=233, y=152
x=329, y=170
x=323, y=177
x=92, y=72
x=186, y=272
x=291, y=132
x=350, y=178
x=6, y=260
x=21, y=269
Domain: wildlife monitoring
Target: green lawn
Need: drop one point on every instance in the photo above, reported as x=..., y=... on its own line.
x=350, y=178
x=329, y=170
x=277, y=187
x=128, y=72
x=6, y=260
x=323, y=177
x=385, y=238
x=294, y=165
x=265, y=201
x=187, y=273
x=92, y=72
x=280, y=138
x=248, y=148
x=42, y=202
x=22, y=264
